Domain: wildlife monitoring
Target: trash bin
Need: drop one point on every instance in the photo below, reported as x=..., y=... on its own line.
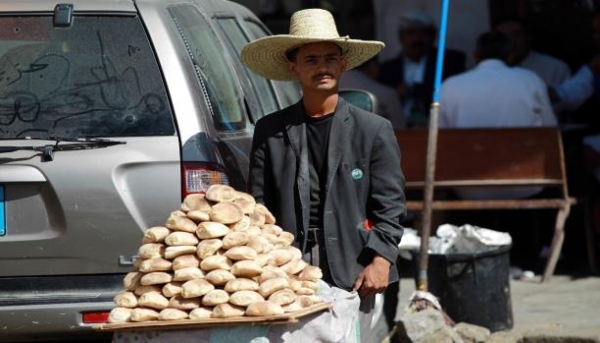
x=473, y=288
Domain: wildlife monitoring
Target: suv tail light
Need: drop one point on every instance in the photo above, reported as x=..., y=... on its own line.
x=95, y=317
x=197, y=177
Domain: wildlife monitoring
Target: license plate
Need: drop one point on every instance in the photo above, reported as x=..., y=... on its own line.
x=2, y=212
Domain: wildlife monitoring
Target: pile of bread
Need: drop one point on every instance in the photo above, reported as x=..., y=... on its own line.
x=220, y=256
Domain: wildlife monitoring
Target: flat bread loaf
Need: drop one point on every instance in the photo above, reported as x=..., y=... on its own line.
x=119, y=315
x=196, y=288
x=172, y=314
x=264, y=308
x=228, y=310
x=245, y=298
x=226, y=213
x=212, y=229
x=215, y=297
x=126, y=299
x=241, y=284
x=156, y=234
x=141, y=314
x=201, y=312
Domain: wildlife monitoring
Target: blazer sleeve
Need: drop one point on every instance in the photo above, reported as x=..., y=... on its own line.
x=387, y=202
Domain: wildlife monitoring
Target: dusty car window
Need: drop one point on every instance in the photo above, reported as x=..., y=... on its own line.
x=213, y=70
x=88, y=80
x=260, y=86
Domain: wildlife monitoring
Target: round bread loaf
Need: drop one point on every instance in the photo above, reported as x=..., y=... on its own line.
x=246, y=206
x=198, y=216
x=153, y=300
x=283, y=296
x=146, y=289
x=156, y=234
x=156, y=278
x=212, y=229
x=119, y=315
x=188, y=273
x=241, y=284
x=272, y=229
x=171, y=289
x=259, y=243
x=195, y=202
x=226, y=213
x=182, y=303
x=300, y=303
x=270, y=286
x=281, y=256
x=269, y=217
x=125, y=299
x=245, y=298
x=196, y=288
x=235, y=239
x=228, y=310
x=215, y=297
x=242, y=225
x=264, y=308
x=241, y=253
x=132, y=280
x=179, y=223
x=174, y=251
x=310, y=273
x=150, y=250
x=215, y=262
x=141, y=314
x=257, y=218
x=172, y=314
x=294, y=266
x=246, y=269
x=264, y=259
x=208, y=247
x=219, y=277
x=184, y=261
x=201, y=312
x=285, y=239
x=219, y=193
x=181, y=238
x=156, y=264
x=270, y=272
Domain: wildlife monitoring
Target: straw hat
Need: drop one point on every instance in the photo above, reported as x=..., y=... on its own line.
x=266, y=56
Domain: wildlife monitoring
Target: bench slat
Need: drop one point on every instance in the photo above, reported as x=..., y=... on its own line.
x=492, y=204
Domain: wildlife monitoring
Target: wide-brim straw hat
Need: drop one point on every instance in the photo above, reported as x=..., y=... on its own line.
x=266, y=56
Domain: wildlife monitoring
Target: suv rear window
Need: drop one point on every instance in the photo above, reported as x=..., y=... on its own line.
x=213, y=70
x=97, y=78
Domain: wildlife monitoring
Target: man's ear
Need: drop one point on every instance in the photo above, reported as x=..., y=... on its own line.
x=292, y=68
x=344, y=62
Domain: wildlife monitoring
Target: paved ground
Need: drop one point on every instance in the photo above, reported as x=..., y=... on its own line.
x=565, y=309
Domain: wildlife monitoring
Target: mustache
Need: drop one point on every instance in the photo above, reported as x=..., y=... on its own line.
x=320, y=75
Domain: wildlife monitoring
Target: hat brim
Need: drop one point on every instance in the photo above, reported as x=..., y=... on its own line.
x=266, y=56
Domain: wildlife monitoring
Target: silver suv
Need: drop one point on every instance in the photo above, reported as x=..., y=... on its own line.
x=110, y=113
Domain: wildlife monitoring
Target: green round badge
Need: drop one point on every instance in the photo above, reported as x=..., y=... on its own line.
x=357, y=174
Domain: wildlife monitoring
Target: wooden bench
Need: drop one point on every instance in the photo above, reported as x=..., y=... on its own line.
x=492, y=158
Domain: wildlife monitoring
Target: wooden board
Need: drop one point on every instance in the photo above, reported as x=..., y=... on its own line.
x=286, y=318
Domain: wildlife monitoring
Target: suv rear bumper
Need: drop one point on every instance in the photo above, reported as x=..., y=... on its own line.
x=44, y=322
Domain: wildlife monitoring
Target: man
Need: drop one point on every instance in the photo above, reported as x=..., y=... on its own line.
x=412, y=73
x=329, y=171
x=495, y=95
x=364, y=77
x=551, y=70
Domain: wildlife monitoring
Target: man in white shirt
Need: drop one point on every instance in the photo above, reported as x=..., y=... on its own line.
x=495, y=95
x=552, y=70
x=364, y=77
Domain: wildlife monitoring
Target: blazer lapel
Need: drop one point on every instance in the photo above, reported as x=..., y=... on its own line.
x=341, y=129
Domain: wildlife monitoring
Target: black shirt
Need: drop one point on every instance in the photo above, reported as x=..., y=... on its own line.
x=317, y=137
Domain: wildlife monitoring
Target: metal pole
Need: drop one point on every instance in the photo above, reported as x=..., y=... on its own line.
x=431, y=154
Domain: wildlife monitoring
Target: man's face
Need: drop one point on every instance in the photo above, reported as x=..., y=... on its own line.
x=416, y=41
x=318, y=66
x=516, y=32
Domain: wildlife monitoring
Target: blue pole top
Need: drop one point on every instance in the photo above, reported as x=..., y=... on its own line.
x=440, y=53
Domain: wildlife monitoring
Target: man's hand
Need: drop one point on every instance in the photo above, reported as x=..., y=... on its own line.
x=374, y=278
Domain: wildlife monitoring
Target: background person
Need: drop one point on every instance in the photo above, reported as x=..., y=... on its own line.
x=412, y=72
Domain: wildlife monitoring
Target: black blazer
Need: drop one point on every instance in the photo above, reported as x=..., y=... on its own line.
x=391, y=72
x=364, y=181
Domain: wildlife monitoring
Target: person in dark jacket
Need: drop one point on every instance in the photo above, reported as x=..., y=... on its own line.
x=412, y=72
x=327, y=170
